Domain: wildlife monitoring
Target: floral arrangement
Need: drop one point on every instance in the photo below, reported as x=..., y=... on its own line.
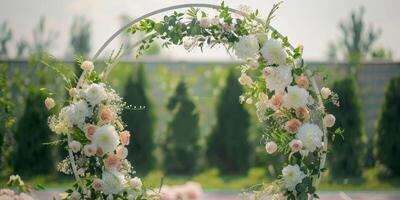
x=92, y=130
x=188, y=191
x=19, y=190
x=288, y=102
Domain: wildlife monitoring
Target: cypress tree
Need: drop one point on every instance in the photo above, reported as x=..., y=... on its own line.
x=140, y=123
x=229, y=148
x=347, y=153
x=182, y=147
x=30, y=155
x=388, y=129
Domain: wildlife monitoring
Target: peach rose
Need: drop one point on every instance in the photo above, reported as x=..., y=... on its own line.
x=292, y=126
x=112, y=161
x=276, y=101
x=89, y=130
x=271, y=147
x=302, y=81
x=49, y=103
x=97, y=184
x=124, y=137
x=122, y=152
x=106, y=115
x=99, y=152
x=302, y=113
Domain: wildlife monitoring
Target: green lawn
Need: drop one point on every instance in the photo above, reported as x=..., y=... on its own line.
x=211, y=180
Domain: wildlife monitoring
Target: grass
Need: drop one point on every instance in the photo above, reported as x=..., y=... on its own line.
x=212, y=181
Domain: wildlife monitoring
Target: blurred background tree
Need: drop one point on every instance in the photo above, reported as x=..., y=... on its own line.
x=80, y=37
x=139, y=123
x=181, y=146
x=388, y=129
x=43, y=39
x=228, y=146
x=5, y=38
x=348, y=152
x=30, y=155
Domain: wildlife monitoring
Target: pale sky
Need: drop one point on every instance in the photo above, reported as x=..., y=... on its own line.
x=313, y=23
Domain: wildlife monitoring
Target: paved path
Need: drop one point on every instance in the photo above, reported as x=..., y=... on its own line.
x=48, y=195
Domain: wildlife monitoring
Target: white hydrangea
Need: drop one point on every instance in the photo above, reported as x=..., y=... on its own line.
x=311, y=136
x=292, y=175
x=273, y=52
x=247, y=47
x=114, y=182
x=106, y=138
x=78, y=112
x=295, y=97
x=279, y=78
x=95, y=93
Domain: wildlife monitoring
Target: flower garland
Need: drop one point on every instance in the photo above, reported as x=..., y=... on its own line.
x=288, y=103
x=17, y=189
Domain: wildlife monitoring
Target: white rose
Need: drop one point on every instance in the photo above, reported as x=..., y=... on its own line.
x=114, y=182
x=273, y=52
x=136, y=183
x=292, y=175
x=89, y=150
x=188, y=43
x=49, y=103
x=95, y=93
x=279, y=78
x=75, y=146
x=73, y=92
x=329, y=120
x=271, y=147
x=106, y=138
x=246, y=80
x=325, y=92
x=75, y=196
x=87, y=66
x=204, y=22
x=246, y=47
x=310, y=135
x=296, y=97
x=78, y=112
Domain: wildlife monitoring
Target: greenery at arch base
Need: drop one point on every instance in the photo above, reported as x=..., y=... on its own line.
x=277, y=83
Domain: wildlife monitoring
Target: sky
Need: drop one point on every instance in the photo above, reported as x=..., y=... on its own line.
x=312, y=23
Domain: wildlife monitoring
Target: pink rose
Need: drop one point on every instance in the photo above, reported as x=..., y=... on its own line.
x=267, y=71
x=106, y=115
x=271, y=147
x=97, y=184
x=89, y=150
x=193, y=190
x=124, y=137
x=302, y=82
x=296, y=145
x=89, y=130
x=302, y=113
x=292, y=126
x=112, y=161
x=75, y=146
x=99, y=152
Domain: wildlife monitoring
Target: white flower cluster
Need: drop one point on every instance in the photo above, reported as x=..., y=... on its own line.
x=93, y=114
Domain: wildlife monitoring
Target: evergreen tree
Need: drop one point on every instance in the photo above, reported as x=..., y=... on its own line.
x=388, y=130
x=347, y=153
x=228, y=145
x=140, y=123
x=182, y=147
x=31, y=156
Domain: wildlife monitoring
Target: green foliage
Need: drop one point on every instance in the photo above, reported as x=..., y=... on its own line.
x=228, y=145
x=181, y=146
x=388, y=129
x=346, y=154
x=31, y=156
x=140, y=123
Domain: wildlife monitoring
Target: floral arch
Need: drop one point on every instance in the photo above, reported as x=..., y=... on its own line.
x=289, y=104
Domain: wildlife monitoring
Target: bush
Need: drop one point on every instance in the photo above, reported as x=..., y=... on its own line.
x=140, y=123
x=182, y=149
x=388, y=129
x=229, y=148
x=346, y=154
x=30, y=155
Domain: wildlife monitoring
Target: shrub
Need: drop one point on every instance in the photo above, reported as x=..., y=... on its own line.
x=229, y=148
x=346, y=154
x=388, y=129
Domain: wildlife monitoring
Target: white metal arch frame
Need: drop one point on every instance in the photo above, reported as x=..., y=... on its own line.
x=216, y=7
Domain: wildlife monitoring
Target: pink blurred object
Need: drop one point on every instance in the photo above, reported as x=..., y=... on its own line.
x=188, y=191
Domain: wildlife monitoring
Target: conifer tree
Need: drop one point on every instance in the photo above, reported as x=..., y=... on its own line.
x=181, y=145
x=139, y=122
x=229, y=148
